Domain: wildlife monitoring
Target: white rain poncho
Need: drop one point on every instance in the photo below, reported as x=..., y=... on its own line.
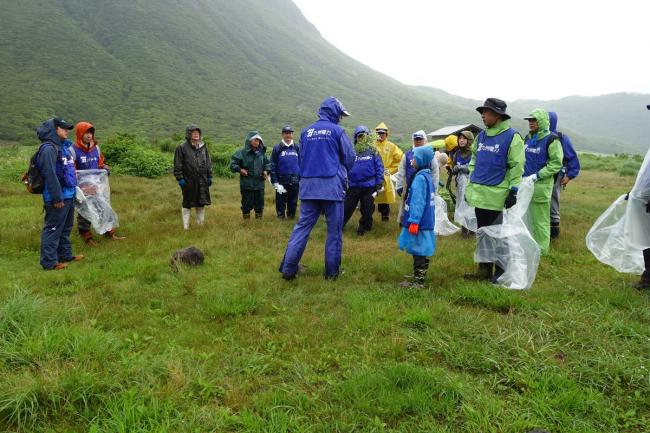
x=622, y=232
x=464, y=214
x=510, y=244
x=443, y=227
x=94, y=200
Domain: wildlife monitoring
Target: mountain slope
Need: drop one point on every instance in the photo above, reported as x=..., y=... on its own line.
x=152, y=66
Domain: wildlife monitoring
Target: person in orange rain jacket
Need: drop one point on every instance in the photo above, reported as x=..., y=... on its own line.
x=88, y=156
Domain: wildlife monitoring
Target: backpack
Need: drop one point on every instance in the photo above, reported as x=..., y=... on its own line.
x=33, y=179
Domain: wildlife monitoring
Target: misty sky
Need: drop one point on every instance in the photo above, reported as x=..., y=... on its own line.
x=488, y=48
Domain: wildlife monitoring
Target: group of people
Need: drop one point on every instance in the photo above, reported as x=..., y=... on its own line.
x=333, y=176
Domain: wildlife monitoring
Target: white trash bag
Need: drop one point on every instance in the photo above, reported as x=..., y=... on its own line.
x=607, y=241
x=464, y=214
x=510, y=244
x=93, y=198
x=443, y=227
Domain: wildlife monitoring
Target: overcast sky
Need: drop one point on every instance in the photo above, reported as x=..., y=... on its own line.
x=496, y=48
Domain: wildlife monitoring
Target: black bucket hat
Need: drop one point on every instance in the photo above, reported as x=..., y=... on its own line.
x=495, y=104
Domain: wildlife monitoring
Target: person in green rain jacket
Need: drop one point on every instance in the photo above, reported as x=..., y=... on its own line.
x=253, y=167
x=494, y=173
x=543, y=161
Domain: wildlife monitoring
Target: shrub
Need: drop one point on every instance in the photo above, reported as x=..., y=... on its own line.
x=129, y=154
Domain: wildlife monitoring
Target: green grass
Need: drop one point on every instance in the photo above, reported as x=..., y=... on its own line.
x=121, y=343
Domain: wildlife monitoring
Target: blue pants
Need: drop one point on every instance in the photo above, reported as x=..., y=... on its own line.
x=310, y=210
x=55, y=237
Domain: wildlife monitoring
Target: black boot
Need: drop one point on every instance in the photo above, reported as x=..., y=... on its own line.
x=484, y=273
x=258, y=215
x=246, y=216
x=644, y=282
x=498, y=271
x=555, y=230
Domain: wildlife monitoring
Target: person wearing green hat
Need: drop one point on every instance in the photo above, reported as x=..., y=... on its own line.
x=253, y=167
x=494, y=173
x=543, y=161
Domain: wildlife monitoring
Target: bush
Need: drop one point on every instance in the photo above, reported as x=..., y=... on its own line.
x=221, y=154
x=129, y=154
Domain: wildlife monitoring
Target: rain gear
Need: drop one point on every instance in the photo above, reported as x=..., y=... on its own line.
x=570, y=161
x=255, y=162
x=539, y=147
x=391, y=155
x=326, y=156
x=419, y=208
x=56, y=164
x=193, y=164
x=86, y=157
x=492, y=197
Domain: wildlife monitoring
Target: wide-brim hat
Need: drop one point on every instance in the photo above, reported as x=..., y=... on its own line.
x=495, y=104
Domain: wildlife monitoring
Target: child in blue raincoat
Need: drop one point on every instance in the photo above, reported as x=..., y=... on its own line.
x=418, y=220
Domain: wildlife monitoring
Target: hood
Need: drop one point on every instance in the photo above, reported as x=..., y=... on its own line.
x=542, y=120
x=360, y=129
x=47, y=132
x=451, y=142
x=552, y=117
x=331, y=109
x=247, y=141
x=80, y=129
x=382, y=125
x=423, y=156
x=189, y=129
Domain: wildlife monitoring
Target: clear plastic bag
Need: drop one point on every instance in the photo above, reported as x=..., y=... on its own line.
x=94, y=200
x=510, y=244
x=608, y=242
x=464, y=213
x=443, y=227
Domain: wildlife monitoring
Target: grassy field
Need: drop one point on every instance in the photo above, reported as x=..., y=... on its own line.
x=120, y=343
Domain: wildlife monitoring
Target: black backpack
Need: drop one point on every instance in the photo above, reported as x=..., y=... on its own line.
x=33, y=179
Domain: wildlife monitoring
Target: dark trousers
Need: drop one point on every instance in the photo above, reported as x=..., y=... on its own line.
x=646, y=262
x=384, y=209
x=55, y=237
x=252, y=199
x=354, y=196
x=287, y=201
x=420, y=268
x=488, y=217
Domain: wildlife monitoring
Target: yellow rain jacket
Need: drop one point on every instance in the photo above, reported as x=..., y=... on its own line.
x=391, y=156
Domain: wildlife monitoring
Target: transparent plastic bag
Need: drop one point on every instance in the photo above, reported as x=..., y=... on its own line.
x=443, y=227
x=510, y=244
x=608, y=242
x=464, y=214
x=94, y=200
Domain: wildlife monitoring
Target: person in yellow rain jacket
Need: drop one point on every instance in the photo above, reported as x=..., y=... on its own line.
x=391, y=155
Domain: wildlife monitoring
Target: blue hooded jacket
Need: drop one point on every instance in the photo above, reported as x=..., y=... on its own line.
x=326, y=155
x=570, y=163
x=421, y=208
x=368, y=169
x=56, y=164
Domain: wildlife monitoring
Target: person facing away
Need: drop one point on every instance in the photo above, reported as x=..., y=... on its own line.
x=56, y=164
x=543, y=161
x=570, y=170
x=88, y=156
x=285, y=174
x=391, y=156
x=193, y=172
x=253, y=167
x=326, y=157
x=494, y=174
x=417, y=236
x=365, y=180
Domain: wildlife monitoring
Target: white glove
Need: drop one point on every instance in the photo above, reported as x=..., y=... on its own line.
x=374, y=194
x=79, y=195
x=532, y=177
x=279, y=188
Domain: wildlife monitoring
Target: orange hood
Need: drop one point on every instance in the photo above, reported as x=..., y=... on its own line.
x=80, y=130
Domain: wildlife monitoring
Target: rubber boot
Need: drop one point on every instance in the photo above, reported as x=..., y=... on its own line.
x=498, y=271
x=258, y=215
x=644, y=282
x=246, y=216
x=186, y=218
x=200, y=215
x=555, y=230
x=484, y=272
